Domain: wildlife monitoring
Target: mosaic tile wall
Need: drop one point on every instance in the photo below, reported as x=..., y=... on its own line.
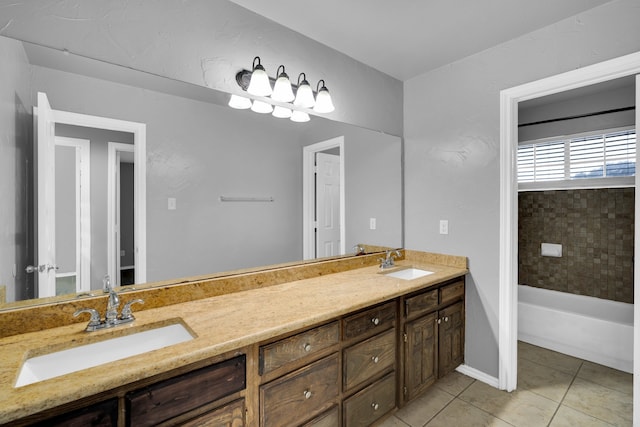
x=595, y=228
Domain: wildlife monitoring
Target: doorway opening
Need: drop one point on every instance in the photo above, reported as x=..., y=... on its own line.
x=323, y=199
x=508, y=296
x=47, y=119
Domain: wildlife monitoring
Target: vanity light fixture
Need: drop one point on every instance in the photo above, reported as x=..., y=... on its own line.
x=281, y=112
x=301, y=96
x=299, y=116
x=282, y=89
x=304, y=95
x=261, y=107
x=324, y=104
x=259, y=84
x=239, y=102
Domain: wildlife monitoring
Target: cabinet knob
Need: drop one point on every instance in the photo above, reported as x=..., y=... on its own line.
x=438, y=321
x=307, y=347
x=375, y=321
x=307, y=394
x=375, y=406
x=375, y=359
x=446, y=319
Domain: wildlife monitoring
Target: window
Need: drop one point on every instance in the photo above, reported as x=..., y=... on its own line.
x=606, y=155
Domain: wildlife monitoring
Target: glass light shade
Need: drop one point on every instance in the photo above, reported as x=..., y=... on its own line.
x=324, y=104
x=239, y=102
x=300, y=117
x=259, y=84
x=282, y=89
x=281, y=112
x=261, y=107
x=304, y=97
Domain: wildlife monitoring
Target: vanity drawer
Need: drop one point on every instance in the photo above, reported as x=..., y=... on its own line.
x=300, y=395
x=279, y=353
x=231, y=414
x=421, y=303
x=452, y=292
x=170, y=398
x=375, y=319
x=368, y=358
x=371, y=403
x=331, y=418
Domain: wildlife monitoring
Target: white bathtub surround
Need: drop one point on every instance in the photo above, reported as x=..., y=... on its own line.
x=593, y=329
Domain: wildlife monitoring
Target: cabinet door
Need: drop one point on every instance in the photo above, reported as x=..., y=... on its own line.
x=451, y=338
x=420, y=355
x=230, y=415
x=103, y=414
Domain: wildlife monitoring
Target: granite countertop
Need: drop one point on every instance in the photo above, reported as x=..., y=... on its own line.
x=220, y=324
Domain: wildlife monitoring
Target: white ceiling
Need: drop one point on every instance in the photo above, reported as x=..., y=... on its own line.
x=406, y=38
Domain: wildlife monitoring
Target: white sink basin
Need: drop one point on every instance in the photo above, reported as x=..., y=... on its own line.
x=40, y=368
x=408, y=273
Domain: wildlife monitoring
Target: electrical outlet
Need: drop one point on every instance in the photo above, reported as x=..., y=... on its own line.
x=171, y=203
x=372, y=223
x=444, y=226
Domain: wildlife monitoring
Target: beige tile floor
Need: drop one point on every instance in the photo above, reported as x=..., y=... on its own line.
x=553, y=390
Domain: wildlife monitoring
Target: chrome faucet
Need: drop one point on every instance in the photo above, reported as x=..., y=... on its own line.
x=111, y=317
x=112, y=302
x=387, y=261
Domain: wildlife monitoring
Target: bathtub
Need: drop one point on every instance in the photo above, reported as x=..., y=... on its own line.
x=589, y=328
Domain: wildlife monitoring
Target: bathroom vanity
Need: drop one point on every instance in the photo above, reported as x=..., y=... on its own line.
x=346, y=345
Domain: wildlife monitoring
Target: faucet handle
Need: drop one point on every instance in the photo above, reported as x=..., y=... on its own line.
x=95, y=316
x=126, y=310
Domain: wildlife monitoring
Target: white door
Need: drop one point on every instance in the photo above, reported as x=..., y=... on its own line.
x=327, y=204
x=45, y=195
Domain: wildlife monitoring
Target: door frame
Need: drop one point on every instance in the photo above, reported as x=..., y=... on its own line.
x=309, y=194
x=508, y=295
x=113, y=208
x=83, y=215
x=139, y=131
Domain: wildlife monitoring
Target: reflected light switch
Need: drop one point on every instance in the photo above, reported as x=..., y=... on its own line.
x=171, y=203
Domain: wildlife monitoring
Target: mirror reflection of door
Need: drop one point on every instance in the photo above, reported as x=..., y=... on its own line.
x=76, y=218
x=102, y=202
x=327, y=204
x=120, y=172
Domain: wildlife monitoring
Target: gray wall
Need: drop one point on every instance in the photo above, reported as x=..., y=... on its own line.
x=452, y=148
x=206, y=43
x=16, y=168
x=601, y=101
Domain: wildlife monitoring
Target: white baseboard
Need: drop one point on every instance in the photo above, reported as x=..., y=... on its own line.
x=478, y=375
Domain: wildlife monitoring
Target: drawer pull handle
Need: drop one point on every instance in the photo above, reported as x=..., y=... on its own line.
x=307, y=347
x=375, y=359
x=375, y=321
x=307, y=394
x=439, y=321
x=375, y=406
x=446, y=319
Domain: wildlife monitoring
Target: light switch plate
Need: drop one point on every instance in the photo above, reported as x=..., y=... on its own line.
x=372, y=223
x=444, y=226
x=171, y=203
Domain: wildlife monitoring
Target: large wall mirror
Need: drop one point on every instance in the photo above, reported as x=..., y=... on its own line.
x=224, y=188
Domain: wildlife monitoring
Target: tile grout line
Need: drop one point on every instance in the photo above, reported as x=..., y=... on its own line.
x=565, y=393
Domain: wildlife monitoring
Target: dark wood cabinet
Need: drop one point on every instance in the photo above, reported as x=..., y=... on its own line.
x=433, y=336
x=450, y=338
x=421, y=354
x=301, y=395
x=167, y=399
x=103, y=414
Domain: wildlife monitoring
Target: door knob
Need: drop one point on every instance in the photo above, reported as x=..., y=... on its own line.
x=40, y=268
